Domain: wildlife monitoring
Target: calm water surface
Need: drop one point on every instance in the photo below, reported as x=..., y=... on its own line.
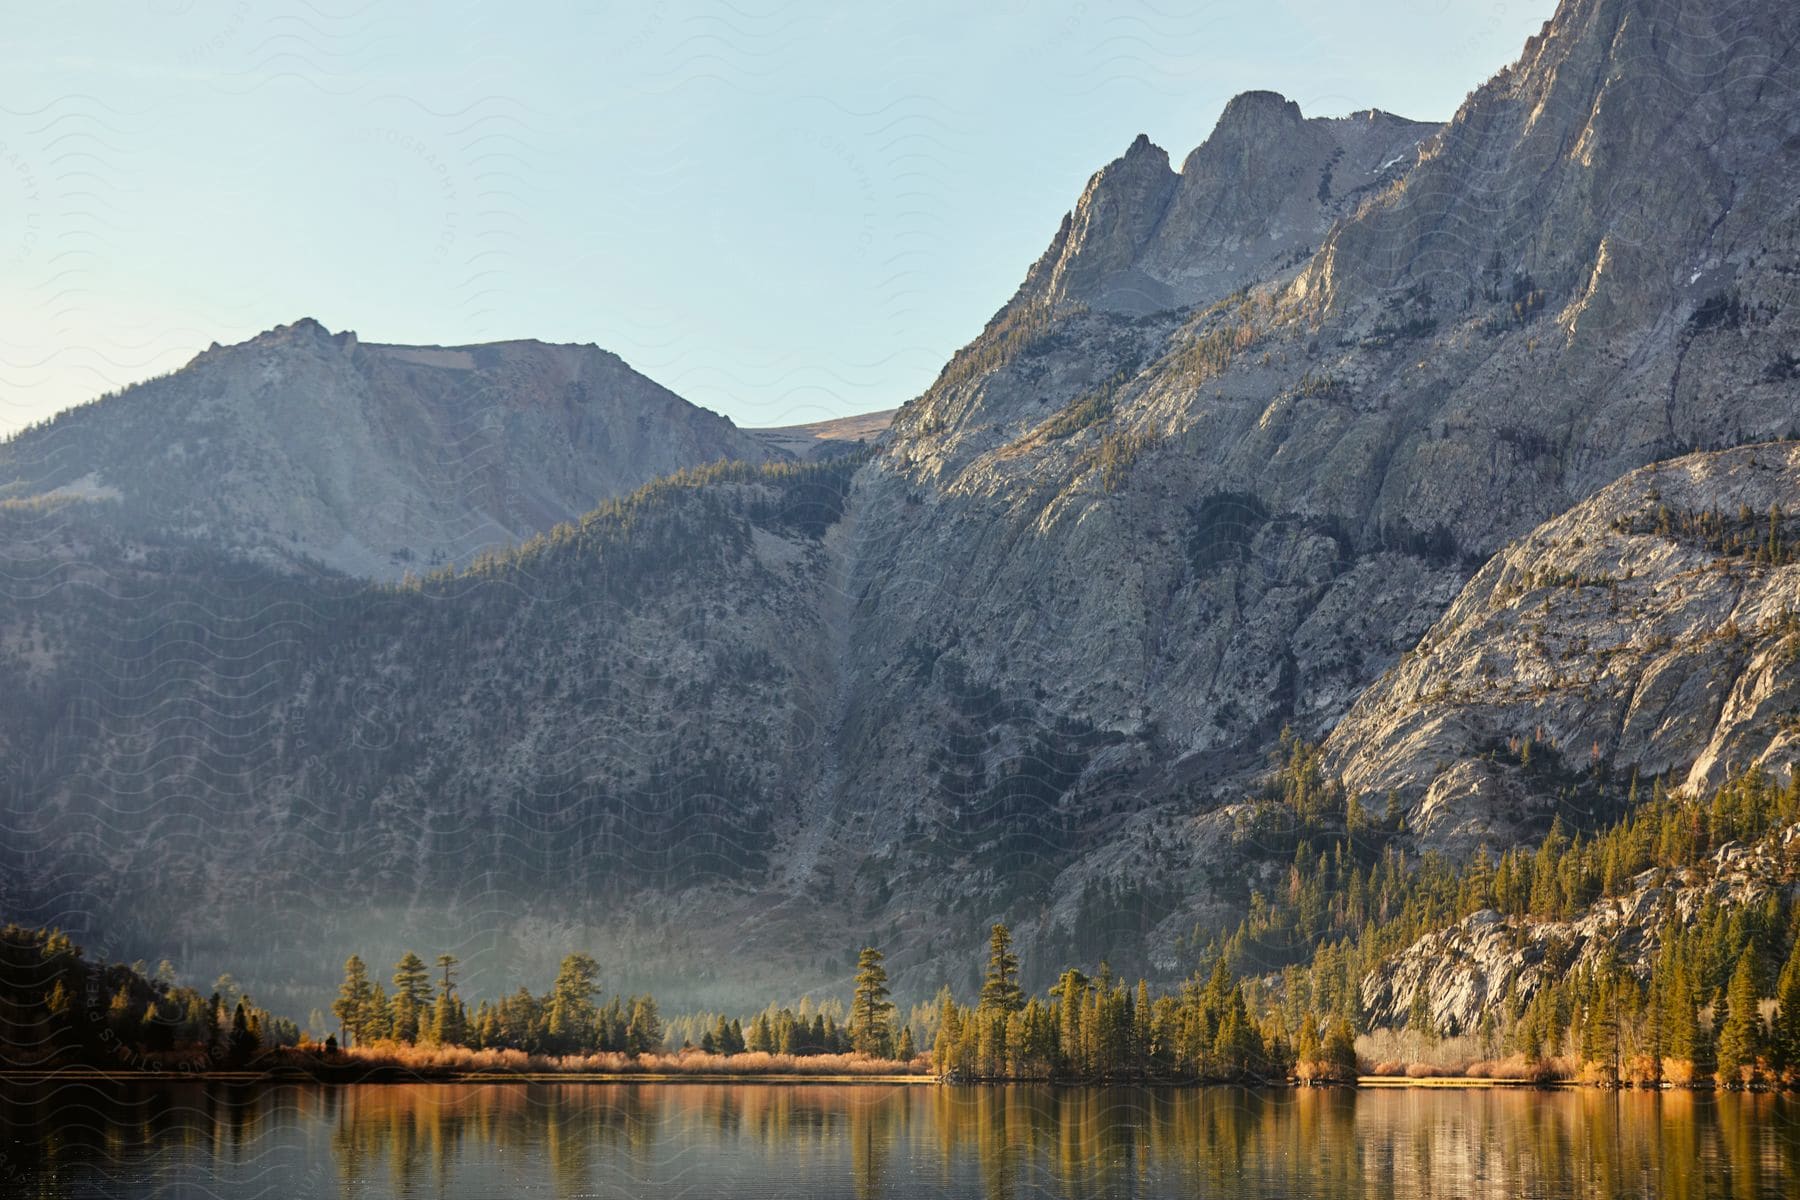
x=658, y=1140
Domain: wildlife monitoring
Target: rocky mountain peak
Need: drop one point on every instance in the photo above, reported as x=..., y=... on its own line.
x=370, y=458
x=1596, y=176
x=1117, y=214
x=1256, y=114
x=300, y=332
x=1141, y=146
x=1253, y=199
x=300, y=336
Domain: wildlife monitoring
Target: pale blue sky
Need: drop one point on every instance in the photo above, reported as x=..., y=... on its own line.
x=782, y=211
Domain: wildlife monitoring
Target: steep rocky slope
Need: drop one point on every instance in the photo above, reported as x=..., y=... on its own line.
x=1176, y=531
x=1466, y=970
x=1253, y=200
x=371, y=459
x=1655, y=628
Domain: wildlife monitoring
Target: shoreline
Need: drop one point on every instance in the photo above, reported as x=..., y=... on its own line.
x=390, y=1078
x=1476, y=1083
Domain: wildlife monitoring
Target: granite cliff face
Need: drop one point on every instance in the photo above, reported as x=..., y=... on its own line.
x=1158, y=538
x=1251, y=202
x=1649, y=628
x=1195, y=482
x=1471, y=967
x=370, y=459
x=1625, y=152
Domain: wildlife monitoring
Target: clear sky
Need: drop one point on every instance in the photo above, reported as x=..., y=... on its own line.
x=783, y=211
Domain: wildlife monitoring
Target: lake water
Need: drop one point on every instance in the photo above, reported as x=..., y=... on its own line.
x=767, y=1140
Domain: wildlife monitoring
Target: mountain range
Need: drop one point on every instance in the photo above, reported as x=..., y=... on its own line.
x=1411, y=440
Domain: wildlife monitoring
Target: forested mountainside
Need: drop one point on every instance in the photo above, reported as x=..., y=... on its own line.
x=1201, y=480
x=305, y=447
x=211, y=750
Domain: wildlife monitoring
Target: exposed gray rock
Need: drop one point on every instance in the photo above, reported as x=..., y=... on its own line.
x=1468, y=968
x=1602, y=637
x=371, y=459
x=1251, y=201
x=1185, y=529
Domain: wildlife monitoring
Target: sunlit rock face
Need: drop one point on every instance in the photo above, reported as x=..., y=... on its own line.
x=1172, y=532
x=1471, y=968
x=1255, y=199
x=1644, y=631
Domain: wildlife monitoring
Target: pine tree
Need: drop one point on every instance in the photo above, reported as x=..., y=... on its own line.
x=573, y=1018
x=870, y=1032
x=1740, y=1027
x=378, y=1022
x=1071, y=989
x=1340, y=1051
x=214, y=1033
x=1308, y=1049
x=1418, y=1015
x=1600, y=1031
x=1546, y=892
x=1785, y=1042
x=1140, y=1030
x=57, y=1002
x=907, y=1051
x=244, y=1043
x=944, y=1052
x=1234, y=1049
x=122, y=1014
x=1681, y=1029
x=447, y=1018
x=1654, y=1035
x=353, y=1000
x=1705, y=1041
x=1488, y=1033
x=1000, y=992
x=644, y=1032
x=412, y=997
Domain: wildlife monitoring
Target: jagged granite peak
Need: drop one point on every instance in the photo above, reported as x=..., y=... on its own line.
x=1094, y=255
x=372, y=459
x=1149, y=244
x=1255, y=197
x=1609, y=167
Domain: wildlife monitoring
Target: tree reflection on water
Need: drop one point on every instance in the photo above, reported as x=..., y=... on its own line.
x=682, y=1139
